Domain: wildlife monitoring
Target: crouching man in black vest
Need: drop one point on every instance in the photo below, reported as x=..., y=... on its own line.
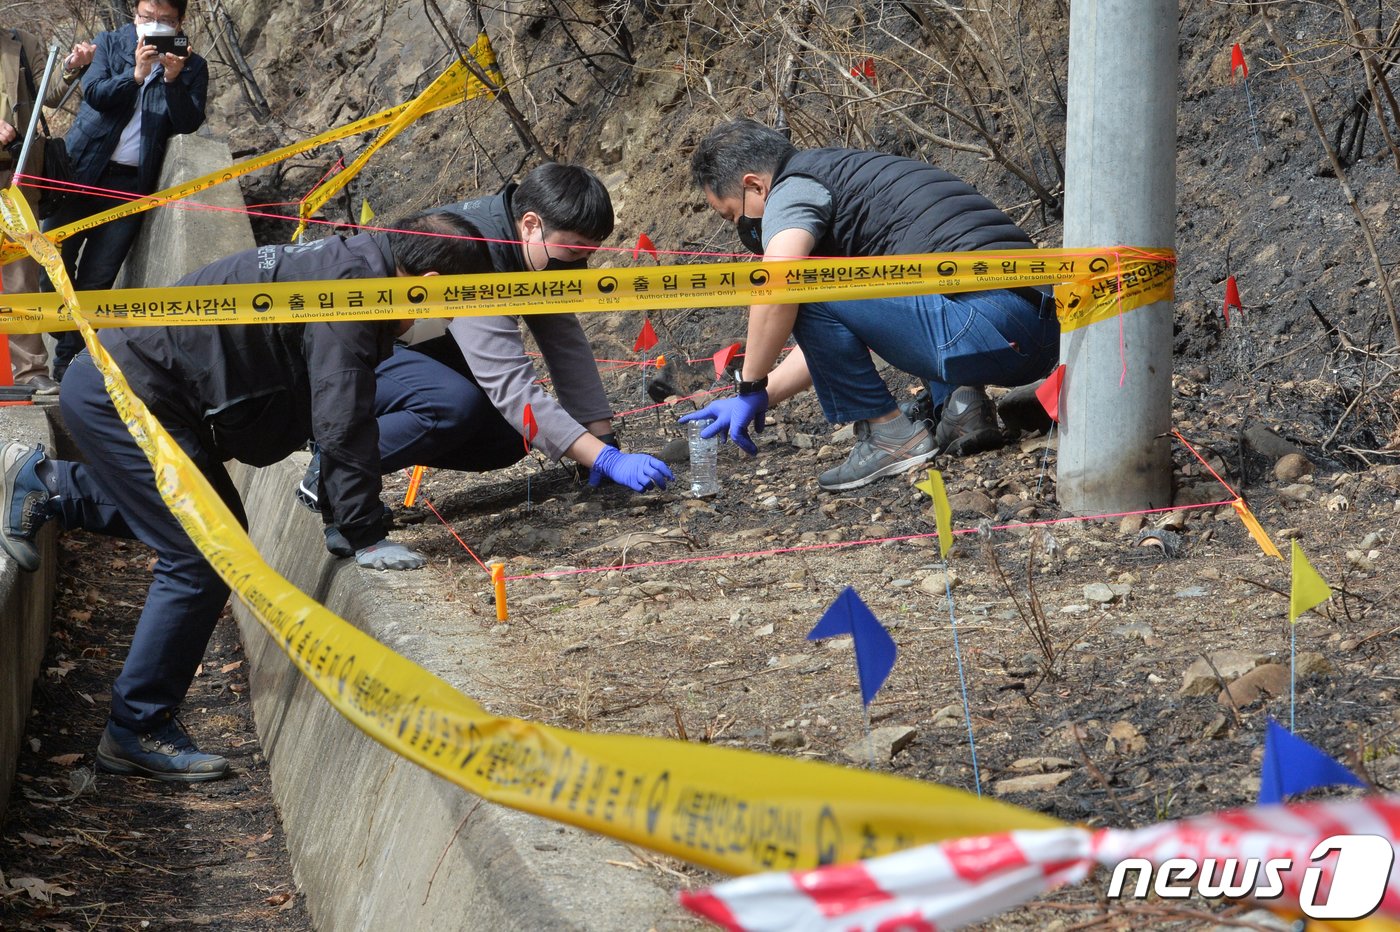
x=254, y=393
x=789, y=204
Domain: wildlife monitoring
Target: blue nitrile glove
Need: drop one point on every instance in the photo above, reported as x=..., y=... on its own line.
x=387, y=556
x=634, y=470
x=733, y=416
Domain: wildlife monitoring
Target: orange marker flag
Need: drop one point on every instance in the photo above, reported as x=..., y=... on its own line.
x=1237, y=62
x=724, y=357
x=414, y=481
x=1232, y=298
x=646, y=339
x=1309, y=589
x=1255, y=529
x=530, y=427
x=644, y=244
x=1049, y=393
x=942, y=511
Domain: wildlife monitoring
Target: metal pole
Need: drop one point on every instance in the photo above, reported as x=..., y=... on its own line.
x=1120, y=189
x=37, y=111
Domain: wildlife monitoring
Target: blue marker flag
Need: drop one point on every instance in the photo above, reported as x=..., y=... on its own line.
x=1293, y=766
x=875, y=648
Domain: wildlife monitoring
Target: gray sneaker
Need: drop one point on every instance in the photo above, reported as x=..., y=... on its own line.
x=881, y=450
x=968, y=423
x=23, y=502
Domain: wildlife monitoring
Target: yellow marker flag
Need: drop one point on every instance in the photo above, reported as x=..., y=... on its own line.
x=1309, y=589
x=942, y=512
x=1255, y=529
x=366, y=212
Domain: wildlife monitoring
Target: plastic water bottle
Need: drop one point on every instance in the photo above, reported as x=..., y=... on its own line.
x=704, y=480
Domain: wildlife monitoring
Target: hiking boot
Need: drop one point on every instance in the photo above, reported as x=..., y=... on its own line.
x=881, y=450
x=919, y=409
x=309, y=488
x=1020, y=410
x=163, y=753
x=24, y=502
x=968, y=424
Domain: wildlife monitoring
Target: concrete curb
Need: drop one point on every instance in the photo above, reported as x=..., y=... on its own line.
x=26, y=604
x=376, y=841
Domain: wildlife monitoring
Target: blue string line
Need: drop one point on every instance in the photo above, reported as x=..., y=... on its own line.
x=962, y=681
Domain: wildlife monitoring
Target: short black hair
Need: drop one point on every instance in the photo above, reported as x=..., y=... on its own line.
x=179, y=5
x=567, y=197
x=439, y=241
x=733, y=149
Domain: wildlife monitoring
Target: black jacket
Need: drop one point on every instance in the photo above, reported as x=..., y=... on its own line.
x=257, y=392
x=888, y=205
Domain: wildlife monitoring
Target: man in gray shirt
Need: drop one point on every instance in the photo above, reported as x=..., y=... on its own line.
x=458, y=401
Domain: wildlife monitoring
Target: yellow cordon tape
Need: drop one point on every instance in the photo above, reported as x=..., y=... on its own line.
x=452, y=87
x=1102, y=283
x=733, y=811
x=454, y=84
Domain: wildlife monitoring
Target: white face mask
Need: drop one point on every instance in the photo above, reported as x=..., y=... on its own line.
x=146, y=30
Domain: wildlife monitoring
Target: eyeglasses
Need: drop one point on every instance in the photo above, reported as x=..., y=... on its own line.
x=170, y=21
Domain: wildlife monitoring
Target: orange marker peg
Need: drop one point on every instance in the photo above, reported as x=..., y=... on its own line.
x=414, y=481
x=498, y=578
x=661, y=361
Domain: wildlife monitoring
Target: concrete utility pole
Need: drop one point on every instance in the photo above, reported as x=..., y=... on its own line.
x=1120, y=189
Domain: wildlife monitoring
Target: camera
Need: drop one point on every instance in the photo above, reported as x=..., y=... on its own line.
x=172, y=45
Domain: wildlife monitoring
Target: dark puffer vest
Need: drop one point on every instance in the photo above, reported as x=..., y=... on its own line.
x=890, y=205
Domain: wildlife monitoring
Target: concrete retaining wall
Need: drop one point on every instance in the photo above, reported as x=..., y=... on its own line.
x=376, y=841
x=26, y=601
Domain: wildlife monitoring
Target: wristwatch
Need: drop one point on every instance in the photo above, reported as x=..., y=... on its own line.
x=750, y=388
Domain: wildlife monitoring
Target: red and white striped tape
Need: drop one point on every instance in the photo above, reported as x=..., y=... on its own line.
x=949, y=885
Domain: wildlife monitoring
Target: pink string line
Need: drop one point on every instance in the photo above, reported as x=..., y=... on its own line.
x=853, y=543
x=1205, y=464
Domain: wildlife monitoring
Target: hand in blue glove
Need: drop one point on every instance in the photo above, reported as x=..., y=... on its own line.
x=634, y=470
x=733, y=416
x=387, y=556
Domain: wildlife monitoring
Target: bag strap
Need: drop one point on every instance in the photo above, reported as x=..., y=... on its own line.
x=29, y=80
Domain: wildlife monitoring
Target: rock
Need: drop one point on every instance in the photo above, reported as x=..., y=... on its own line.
x=763, y=631
x=1124, y=738
x=886, y=742
x=1337, y=502
x=1269, y=443
x=787, y=740
x=1099, y=592
x=844, y=434
x=938, y=584
x=1031, y=783
x=1269, y=679
x=901, y=583
x=1130, y=525
x=950, y=716
x=1199, y=680
x=1312, y=664
x=803, y=441
x=1296, y=493
x=1218, y=727
x=1373, y=540
x=675, y=452
x=1292, y=467
x=973, y=501
x=1134, y=629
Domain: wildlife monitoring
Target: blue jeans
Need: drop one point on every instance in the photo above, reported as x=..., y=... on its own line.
x=120, y=499
x=974, y=338
x=432, y=414
x=93, y=257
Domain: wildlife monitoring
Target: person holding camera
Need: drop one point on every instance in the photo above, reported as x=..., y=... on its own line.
x=22, y=60
x=145, y=85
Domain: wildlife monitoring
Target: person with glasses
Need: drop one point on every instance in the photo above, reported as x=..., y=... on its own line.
x=135, y=97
